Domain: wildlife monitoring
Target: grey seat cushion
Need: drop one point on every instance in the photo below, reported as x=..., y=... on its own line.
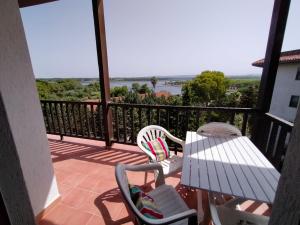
x=169, y=202
x=218, y=129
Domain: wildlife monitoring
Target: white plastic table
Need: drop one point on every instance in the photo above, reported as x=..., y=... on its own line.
x=232, y=166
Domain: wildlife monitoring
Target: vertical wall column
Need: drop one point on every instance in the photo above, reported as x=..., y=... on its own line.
x=98, y=11
x=275, y=40
x=286, y=206
x=23, y=139
x=15, y=197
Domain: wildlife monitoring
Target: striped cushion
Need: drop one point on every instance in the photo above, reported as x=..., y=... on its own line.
x=144, y=203
x=147, y=207
x=159, y=148
x=134, y=193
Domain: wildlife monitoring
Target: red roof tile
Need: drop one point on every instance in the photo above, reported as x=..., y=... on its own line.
x=163, y=93
x=285, y=57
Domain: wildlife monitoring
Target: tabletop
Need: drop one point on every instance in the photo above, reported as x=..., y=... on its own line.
x=232, y=166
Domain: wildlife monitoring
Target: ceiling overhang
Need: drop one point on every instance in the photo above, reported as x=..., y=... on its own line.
x=26, y=3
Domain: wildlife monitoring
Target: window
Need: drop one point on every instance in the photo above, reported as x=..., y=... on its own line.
x=298, y=74
x=294, y=101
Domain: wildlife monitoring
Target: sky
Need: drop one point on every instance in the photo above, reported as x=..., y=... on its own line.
x=153, y=37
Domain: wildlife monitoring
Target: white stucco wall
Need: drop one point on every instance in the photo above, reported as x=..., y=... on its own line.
x=285, y=86
x=21, y=103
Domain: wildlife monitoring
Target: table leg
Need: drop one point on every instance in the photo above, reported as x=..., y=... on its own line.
x=203, y=208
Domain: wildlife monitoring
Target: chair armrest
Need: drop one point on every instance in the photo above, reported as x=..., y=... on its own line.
x=175, y=139
x=191, y=214
x=234, y=202
x=146, y=167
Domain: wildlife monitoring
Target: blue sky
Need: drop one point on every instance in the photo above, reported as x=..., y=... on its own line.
x=153, y=37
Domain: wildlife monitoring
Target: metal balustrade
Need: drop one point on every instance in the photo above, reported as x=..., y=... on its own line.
x=85, y=120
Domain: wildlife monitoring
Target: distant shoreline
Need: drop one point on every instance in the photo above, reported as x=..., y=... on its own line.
x=161, y=78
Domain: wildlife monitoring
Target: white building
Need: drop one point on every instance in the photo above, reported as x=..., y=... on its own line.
x=285, y=99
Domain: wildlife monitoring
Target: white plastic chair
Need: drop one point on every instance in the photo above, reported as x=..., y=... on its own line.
x=168, y=201
x=170, y=165
x=228, y=213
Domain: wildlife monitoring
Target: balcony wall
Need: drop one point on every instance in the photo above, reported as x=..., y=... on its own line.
x=24, y=116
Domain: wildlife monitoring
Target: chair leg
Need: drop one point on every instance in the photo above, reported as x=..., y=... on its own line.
x=146, y=175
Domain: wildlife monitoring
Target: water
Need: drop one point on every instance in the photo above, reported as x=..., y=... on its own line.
x=161, y=85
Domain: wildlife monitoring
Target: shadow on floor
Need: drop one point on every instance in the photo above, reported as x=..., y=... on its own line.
x=112, y=196
x=64, y=150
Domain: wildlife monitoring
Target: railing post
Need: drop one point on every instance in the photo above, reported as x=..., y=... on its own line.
x=98, y=12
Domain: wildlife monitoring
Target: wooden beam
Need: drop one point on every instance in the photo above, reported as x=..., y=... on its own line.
x=276, y=35
x=26, y=3
x=275, y=40
x=98, y=12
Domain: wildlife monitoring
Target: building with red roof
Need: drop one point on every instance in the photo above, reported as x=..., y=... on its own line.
x=286, y=94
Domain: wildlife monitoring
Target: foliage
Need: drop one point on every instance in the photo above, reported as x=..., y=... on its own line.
x=249, y=97
x=207, y=87
x=243, y=83
x=118, y=91
x=140, y=89
x=67, y=89
x=210, y=88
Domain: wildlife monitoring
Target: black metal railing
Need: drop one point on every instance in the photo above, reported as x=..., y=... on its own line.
x=275, y=139
x=75, y=119
x=128, y=119
x=85, y=120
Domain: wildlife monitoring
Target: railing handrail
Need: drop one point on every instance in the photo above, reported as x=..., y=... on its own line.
x=204, y=108
x=279, y=120
x=70, y=101
x=237, y=109
x=152, y=105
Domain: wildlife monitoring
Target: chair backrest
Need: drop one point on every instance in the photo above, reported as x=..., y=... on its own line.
x=219, y=129
x=122, y=181
x=150, y=133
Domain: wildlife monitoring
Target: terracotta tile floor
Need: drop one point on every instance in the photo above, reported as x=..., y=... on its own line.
x=84, y=171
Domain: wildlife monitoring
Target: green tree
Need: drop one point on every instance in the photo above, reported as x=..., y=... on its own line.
x=132, y=97
x=119, y=91
x=144, y=89
x=205, y=88
x=249, y=97
x=69, y=84
x=135, y=87
x=153, y=81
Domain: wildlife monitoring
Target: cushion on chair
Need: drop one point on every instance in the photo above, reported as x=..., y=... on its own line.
x=169, y=202
x=144, y=203
x=159, y=148
x=147, y=206
x=134, y=192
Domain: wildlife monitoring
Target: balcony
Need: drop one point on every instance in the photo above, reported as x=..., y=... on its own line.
x=89, y=195
x=84, y=165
